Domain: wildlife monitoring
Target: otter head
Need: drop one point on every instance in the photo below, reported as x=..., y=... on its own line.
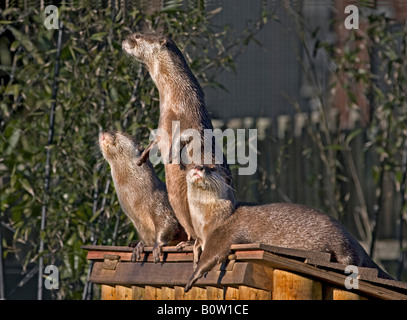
x=119, y=146
x=146, y=47
x=210, y=179
x=159, y=53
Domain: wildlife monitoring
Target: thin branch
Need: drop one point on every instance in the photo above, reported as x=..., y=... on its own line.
x=366, y=231
x=2, y=294
x=401, y=216
x=378, y=206
x=45, y=200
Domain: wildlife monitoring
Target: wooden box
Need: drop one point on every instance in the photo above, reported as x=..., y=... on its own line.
x=254, y=272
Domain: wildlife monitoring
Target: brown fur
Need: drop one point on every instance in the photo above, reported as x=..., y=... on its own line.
x=181, y=99
x=142, y=195
x=280, y=224
x=207, y=212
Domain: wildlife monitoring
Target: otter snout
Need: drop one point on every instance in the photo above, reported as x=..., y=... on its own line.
x=197, y=173
x=130, y=42
x=128, y=45
x=198, y=167
x=105, y=139
x=105, y=142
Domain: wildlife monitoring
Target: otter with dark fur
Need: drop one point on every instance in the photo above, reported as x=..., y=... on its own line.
x=280, y=224
x=142, y=195
x=181, y=99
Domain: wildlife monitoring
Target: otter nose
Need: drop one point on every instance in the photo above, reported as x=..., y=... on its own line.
x=198, y=167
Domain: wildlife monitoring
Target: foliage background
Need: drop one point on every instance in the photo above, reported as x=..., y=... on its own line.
x=98, y=88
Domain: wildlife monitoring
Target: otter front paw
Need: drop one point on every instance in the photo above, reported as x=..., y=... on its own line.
x=183, y=244
x=138, y=249
x=143, y=158
x=157, y=252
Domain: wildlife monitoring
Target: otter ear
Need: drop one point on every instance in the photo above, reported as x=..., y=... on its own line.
x=140, y=148
x=228, y=180
x=163, y=41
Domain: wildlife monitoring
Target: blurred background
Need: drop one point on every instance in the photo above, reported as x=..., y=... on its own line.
x=328, y=100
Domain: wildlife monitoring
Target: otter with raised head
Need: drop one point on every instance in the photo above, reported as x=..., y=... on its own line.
x=142, y=195
x=280, y=224
x=206, y=211
x=182, y=100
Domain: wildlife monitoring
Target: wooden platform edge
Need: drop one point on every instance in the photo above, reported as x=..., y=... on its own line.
x=313, y=265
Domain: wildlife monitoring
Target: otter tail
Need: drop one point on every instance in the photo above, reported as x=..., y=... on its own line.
x=369, y=263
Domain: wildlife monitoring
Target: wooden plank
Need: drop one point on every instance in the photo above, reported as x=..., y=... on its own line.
x=259, y=276
x=178, y=273
x=214, y=293
x=179, y=293
x=108, y=292
x=117, y=249
x=329, y=276
x=144, y=257
x=138, y=293
x=195, y=293
x=291, y=286
x=152, y=293
x=173, y=255
x=124, y=293
x=97, y=252
x=368, y=274
x=364, y=273
x=249, y=293
x=167, y=293
x=298, y=253
x=232, y=293
x=332, y=293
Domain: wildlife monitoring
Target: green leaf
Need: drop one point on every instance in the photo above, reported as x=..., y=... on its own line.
x=26, y=185
x=98, y=36
x=353, y=135
x=13, y=140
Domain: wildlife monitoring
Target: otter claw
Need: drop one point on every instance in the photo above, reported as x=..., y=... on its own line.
x=180, y=246
x=157, y=252
x=137, y=251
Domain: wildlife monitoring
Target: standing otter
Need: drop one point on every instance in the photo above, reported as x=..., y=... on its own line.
x=142, y=195
x=280, y=224
x=181, y=100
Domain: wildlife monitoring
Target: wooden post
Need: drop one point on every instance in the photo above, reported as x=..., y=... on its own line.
x=290, y=286
x=214, y=293
x=152, y=293
x=167, y=293
x=339, y=294
x=124, y=293
x=138, y=293
x=195, y=293
x=249, y=293
x=179, y=293
x=108, y=292
x=232, y=293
